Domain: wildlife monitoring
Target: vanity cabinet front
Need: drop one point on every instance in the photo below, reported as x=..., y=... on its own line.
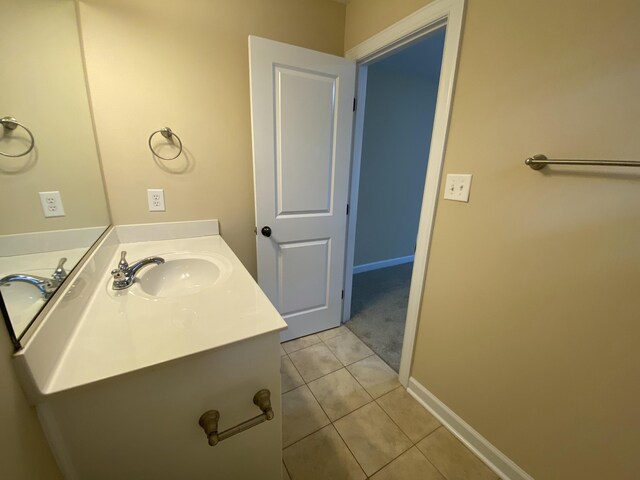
x=144, y=424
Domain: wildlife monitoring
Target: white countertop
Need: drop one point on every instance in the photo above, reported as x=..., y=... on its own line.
x=124, y=332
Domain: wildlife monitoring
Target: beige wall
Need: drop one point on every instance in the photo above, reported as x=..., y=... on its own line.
x=24, y=453
x=43, y=87
x=155, y=63
x=529, y=326
x=367, y=17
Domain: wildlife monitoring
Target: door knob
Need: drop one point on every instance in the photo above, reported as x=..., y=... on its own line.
x=266, y=231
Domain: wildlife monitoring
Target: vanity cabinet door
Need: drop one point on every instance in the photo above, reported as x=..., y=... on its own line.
x=144, y=425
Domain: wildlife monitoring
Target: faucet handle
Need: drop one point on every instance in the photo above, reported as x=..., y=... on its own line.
x=119, y=273
x=60, y=273
x=122, y=264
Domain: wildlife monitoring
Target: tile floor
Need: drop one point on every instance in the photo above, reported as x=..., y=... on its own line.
x=346, y=416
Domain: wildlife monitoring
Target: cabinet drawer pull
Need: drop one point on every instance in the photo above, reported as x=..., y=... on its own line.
x=209, y=419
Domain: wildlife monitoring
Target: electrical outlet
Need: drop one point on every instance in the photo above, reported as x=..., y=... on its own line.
x=51, y=204
x=457, y=187
x=156, y=199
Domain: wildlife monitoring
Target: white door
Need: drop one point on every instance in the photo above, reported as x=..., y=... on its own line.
x=302, y=115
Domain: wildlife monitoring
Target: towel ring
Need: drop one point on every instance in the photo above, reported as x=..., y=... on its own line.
x=11, y=123
x=167, y=133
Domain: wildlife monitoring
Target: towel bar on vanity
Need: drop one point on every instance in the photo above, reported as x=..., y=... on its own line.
x=209, y=419
x=539, y=161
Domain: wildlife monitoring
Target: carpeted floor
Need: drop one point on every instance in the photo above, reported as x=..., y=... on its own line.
x=379, y=309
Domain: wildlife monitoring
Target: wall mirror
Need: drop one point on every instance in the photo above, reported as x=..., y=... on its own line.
x=52, y=200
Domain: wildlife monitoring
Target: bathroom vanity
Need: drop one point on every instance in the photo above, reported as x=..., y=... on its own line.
x=121, y=378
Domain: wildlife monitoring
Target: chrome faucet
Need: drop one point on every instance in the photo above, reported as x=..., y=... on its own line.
x=125, y=274
x=60, y=273
x=46, y=285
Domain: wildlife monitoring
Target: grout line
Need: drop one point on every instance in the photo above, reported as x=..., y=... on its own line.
x=415, y=444
x=392, y=460
x=428, y=459
x=285, y=466
x=307, y=436
x=365, y=388
x=348, y=413
x=296, y=369
x=348, y=448
x=301, y=348
x=318, y=401
x=373, y=400
x=383, y=411
x=387, y=414
x=332, y=422
x=371, y=348
x=397, y=426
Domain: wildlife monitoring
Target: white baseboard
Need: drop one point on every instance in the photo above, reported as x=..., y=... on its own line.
x=392, y=262
x=494, y=458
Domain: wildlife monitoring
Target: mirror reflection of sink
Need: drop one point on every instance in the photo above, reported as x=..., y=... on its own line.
x=180, y=275
x=23, y=301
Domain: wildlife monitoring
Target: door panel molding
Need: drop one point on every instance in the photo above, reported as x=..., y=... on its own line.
x=306, y=288
x=293, y=118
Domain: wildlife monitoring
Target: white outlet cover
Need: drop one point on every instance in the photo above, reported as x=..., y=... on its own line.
x=155, y=198
x=51, y=204
x=457, y=187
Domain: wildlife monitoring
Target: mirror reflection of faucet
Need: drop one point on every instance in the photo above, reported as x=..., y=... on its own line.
x=47, y=286
x=125, y=274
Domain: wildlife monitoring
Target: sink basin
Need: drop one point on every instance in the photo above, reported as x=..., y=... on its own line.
x=180, y=275
x=23, y=301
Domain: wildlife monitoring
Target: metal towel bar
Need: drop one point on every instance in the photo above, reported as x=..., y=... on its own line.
x=539, y=161
x=169, y=134
x=209, y=419
x=10, y=123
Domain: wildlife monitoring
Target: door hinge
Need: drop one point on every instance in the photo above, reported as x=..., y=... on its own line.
x=343, y=294
x=355, y=103
x=347, y=209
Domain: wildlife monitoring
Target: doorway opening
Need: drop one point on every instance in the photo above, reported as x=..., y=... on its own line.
x=399, y=96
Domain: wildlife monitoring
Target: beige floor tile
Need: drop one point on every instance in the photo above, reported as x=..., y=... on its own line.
x=290, y=377
x=348, y=348
x=412, y=418
x=334, y=332
x=322, y=456
x=452, y=458
x=285, y=474
x=282, y=352
x=315, y=361
x=301, y=415
x=372, y=437
x=374, y=375
x=411, y=465
x=300, y=343
x=338, y=393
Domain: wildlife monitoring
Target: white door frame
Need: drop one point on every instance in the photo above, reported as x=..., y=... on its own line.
x=408, y=30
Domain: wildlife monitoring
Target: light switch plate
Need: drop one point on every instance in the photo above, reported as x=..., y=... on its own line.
x=457, y=187
x=51, y=204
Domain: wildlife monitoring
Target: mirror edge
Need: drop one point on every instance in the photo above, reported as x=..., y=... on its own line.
x=7, y=321
x=53, y=301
